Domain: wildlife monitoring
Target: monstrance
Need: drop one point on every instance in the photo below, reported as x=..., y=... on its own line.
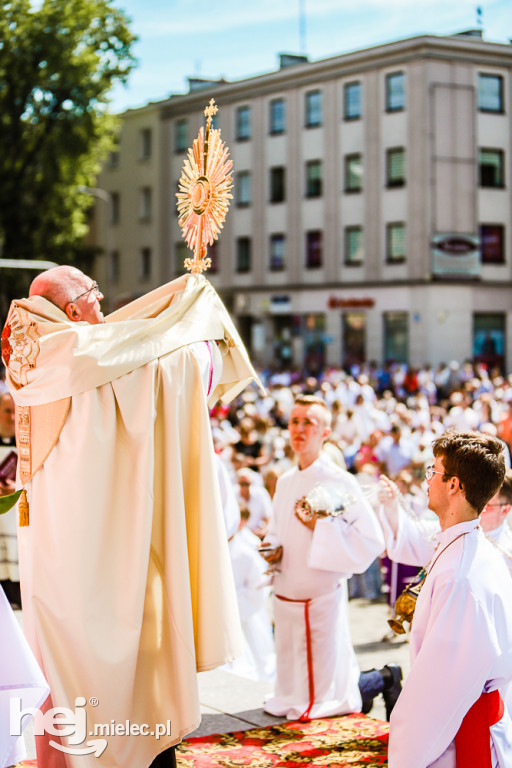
x=205, y=191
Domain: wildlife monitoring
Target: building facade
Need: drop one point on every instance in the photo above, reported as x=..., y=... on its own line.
x=371, y=212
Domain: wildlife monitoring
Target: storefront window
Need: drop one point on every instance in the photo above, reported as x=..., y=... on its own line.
x=396, y=337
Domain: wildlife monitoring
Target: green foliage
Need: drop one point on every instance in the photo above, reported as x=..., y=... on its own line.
x=58, y=62
x=8, y=502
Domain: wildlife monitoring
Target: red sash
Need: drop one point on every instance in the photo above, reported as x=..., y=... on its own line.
x=305, y=717
x=473, y=742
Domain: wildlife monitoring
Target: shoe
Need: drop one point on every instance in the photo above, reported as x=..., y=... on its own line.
x=392, y=675
x=367, y=706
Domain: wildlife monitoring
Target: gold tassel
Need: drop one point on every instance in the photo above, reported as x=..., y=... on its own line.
x=23, y=509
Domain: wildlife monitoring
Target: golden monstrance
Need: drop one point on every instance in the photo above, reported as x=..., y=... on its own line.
x=205, y=191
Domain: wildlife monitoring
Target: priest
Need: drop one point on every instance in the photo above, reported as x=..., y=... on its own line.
x=126, y=580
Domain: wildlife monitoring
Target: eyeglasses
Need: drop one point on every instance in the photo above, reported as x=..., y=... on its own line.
x=490, y=506
x=94, y=287
x=430, y=472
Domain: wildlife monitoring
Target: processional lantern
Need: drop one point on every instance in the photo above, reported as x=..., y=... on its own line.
x=205, y=191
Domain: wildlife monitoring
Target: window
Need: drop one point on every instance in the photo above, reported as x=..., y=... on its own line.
x=395, y=92
x=277, y=116
x=145, y=263
x=243, y=123
x=115, y=207
x=490, y=93
x=489, y=338
x=114, y=266
x=181, y=252
x=396, y=337
x=313, y=109
x=277, y=252
x=181, y=135
x=395, y=242
x=145, y=204
x=314, y=178
x=243, y=189
x=490, y=164
x=352, y=106
x=113, y=159
x=354, y=253
x=277, y=184
x=353, y=173
x=395, y=167
x=492, y=243
x=243, y=254
x=313, y=249
x=213, y=253
x=145, y=143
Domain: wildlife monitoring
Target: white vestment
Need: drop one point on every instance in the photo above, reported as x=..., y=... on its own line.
x=126, y=582
x=20, y=678
x=460, y=646
x=312, y=581
x=259, y=505
x=258, y=661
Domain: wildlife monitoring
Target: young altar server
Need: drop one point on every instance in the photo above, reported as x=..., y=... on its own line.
x=317, y=671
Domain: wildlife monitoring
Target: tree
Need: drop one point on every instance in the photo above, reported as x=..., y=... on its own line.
x=58, y=63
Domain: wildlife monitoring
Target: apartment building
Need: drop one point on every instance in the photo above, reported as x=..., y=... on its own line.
x=372, y=209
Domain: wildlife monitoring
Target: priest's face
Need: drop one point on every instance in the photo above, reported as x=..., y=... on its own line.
x=85, y=305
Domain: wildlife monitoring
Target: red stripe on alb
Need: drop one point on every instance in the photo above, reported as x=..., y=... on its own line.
x=305, y=717
x=473, y=739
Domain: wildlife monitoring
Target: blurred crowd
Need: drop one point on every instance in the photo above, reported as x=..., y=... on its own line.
x=384, y=418
x=384, y=421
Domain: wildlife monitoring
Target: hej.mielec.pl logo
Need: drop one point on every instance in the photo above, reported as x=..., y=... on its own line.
x=72, y=724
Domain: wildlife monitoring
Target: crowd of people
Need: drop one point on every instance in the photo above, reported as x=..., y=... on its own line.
x=383, y=417
x=384, y=420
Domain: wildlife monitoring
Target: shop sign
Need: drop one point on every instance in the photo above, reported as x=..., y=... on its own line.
x=280, y=305
x=455, y=255
x=336, y=302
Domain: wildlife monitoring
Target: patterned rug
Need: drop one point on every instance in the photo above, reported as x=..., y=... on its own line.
x=351, y=741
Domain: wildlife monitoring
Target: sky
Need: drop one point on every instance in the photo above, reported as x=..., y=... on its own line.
x=236, y=39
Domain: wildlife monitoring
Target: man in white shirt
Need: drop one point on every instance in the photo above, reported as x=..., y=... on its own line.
x=395, y=451
x=450, y=712
x=317, y=672
x=254, y=497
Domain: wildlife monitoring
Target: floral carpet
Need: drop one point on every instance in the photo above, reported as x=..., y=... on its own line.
x=351, y=741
